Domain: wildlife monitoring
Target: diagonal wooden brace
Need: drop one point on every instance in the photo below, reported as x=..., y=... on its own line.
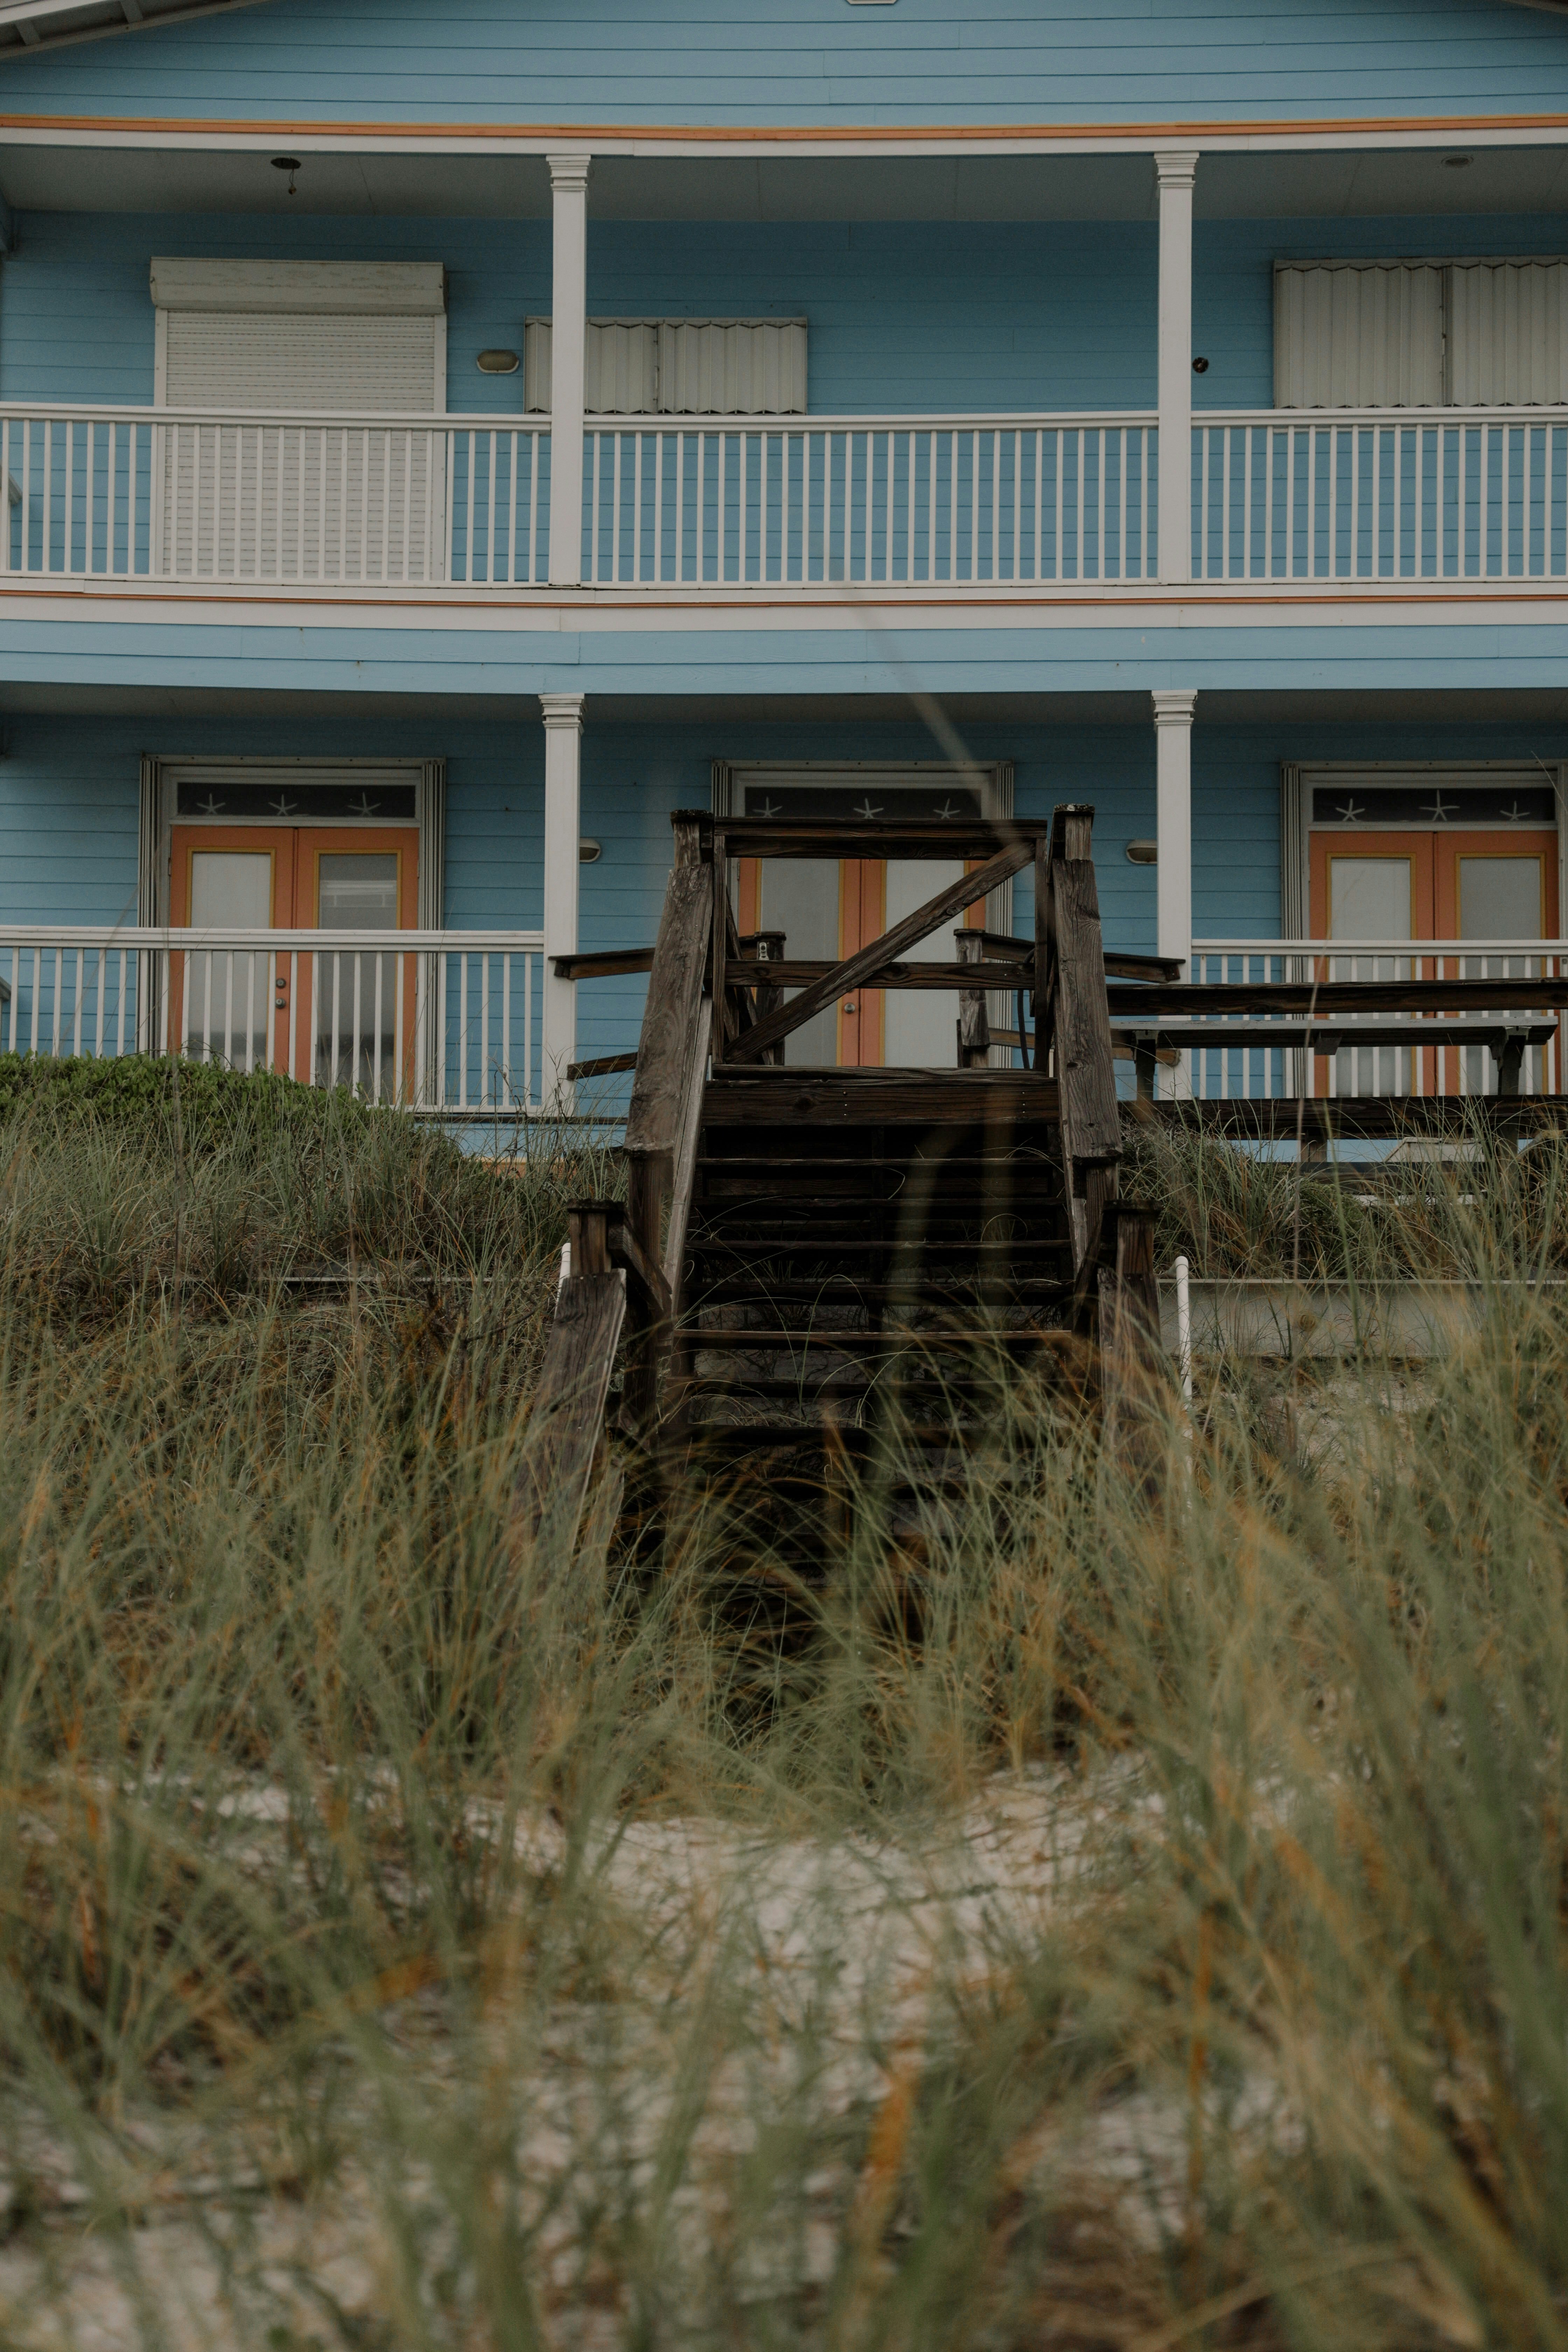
x=856, y=970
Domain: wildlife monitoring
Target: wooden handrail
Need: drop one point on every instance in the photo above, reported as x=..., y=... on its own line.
x=646, y=1239
x=665, y=1112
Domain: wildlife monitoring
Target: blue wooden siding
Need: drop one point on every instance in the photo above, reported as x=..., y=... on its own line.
x=910, y=315
x=816, y=61
x=903, y=316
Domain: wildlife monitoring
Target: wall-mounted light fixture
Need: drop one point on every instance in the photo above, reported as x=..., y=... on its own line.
x=589, y=852
x=1142, y=853
x=289, y=163
x=497, y=363
x=1200, y=367
x=1457, y=162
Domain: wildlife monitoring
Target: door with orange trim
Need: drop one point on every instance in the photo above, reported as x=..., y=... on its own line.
x=833, y=907
x=1498, y=884
x=1416, y=885
x=336, y=1015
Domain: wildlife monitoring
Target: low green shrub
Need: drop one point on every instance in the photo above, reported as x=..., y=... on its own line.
x=209, y=1104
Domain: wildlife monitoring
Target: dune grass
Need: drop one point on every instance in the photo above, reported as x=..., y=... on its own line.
x=1106, y=1919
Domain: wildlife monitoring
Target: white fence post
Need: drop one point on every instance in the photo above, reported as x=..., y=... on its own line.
x=563, y=839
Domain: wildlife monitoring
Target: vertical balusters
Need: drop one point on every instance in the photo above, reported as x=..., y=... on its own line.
x=462, y=1030
x=1037, y=571
x=504, y=1082
x=26, y=495
x=533, y=465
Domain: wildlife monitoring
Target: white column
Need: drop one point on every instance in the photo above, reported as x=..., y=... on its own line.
x=1173, y=823
x=1176, y=173
x=568, y=349
x=562, y=838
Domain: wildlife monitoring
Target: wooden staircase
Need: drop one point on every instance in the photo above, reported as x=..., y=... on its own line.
x=808, y=1259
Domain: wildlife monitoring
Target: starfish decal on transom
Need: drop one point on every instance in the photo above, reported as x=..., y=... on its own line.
x=363, y=807
x=1441, y=810
x=282, y=807
x=866, y=810
x=211, y=806
x=1352, y=813
x=949, y=808
x=1515, y=815
x=766, y=808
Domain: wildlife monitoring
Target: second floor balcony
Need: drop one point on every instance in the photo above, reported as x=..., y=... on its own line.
x=1088, y=385
x=139, y=499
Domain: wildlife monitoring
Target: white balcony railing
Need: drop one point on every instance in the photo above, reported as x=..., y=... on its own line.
x=446, y=1022
x=1215, y=1073
x=147, y=496
x=1381, y=494
x=892, y=502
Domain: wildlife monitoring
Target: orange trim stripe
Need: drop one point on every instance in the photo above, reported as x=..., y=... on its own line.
x=1345, y=593
x=891, y=134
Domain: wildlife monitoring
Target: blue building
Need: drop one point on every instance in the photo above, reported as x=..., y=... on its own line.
x=441, y=441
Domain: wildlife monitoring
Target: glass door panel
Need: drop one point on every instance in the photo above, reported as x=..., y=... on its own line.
x=1498, y=886
x=921, y=1024
x=222, y=1005
x=358, y=1009
x=799, y=897
x=1375, y=887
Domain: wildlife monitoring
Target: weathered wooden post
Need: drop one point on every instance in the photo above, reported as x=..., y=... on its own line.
x=973, y=1020
x=767, y=947
x=667, y=1099
x=1072, y=954
x=1113, y=1247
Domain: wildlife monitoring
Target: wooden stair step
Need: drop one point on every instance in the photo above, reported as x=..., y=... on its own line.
x=807, y=1245
x=892, y=1343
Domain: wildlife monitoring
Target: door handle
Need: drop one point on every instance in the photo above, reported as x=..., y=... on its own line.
x=850, y=1005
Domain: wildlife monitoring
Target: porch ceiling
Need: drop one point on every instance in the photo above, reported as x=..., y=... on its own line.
x=44, y=24
x=41, y=175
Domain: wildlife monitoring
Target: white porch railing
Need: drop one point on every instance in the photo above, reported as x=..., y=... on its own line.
x=142, y=497
x=146, y=495
x=446, y=1022
x=713, y=501
x=1382, y=494
x=1213, y=1073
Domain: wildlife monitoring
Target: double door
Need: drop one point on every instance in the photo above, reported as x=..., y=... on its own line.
x=328, y=1015
x=828, y=908
x=1497, y=887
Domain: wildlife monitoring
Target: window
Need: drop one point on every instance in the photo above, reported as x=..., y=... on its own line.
x=302, y=336
x=692, y=367
x=296, y=339
x=1420, y=334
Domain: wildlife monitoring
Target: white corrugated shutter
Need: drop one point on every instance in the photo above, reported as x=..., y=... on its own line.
x=1357, y=335
x=1507, y=333
x=701, y=367
x=620, y=367
x=732, y=367
x=219, y=359
x=295, y=501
